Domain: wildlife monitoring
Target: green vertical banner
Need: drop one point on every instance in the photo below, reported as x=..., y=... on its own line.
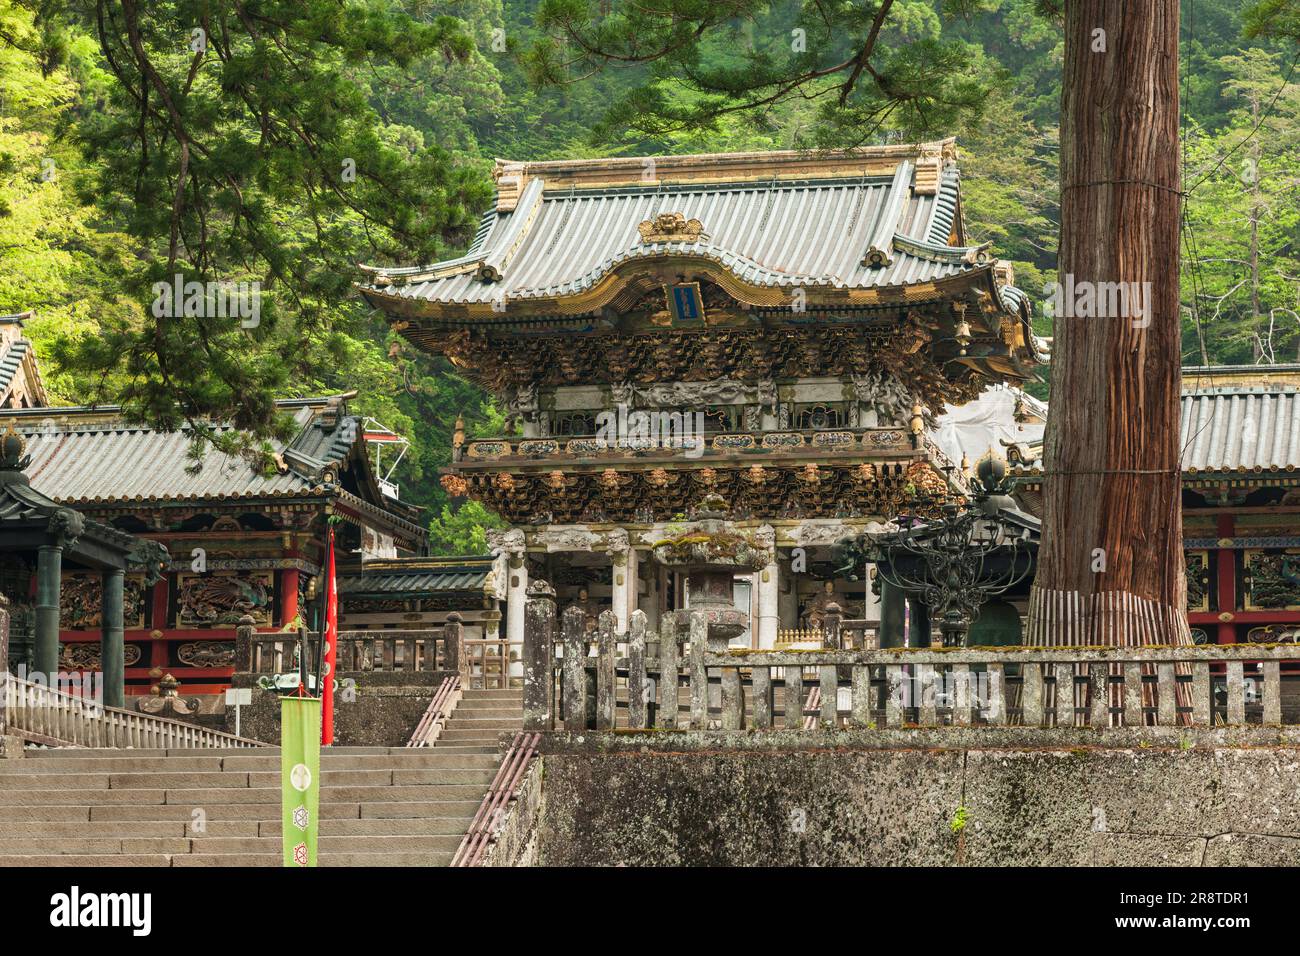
x=300, y=778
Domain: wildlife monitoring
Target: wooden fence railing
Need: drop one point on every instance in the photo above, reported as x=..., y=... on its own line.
x=45, y=715
x=481, y=662
x=576, y=681
x=438, y=712
x=433, y=649
x=425, y=650
x=496, y=805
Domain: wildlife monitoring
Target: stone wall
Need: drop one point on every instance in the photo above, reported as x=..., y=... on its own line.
x=690, y=799
x=386, y=709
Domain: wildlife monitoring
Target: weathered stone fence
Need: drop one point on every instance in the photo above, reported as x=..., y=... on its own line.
x=576, y=679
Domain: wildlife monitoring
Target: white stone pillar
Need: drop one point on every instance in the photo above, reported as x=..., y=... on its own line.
x=618, y=598
x=769, y=580
x=633, y=581
x=516, y=598
x=871, y=604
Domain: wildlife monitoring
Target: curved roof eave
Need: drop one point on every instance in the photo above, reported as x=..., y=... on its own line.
x=821, y=290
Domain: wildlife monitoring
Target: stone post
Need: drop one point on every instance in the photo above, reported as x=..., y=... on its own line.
x=619, y=591
x=4, y=667
x=574, y=624
x=516, y=598
x=831, y=626
x=453, y=636
x=539, y=640
x=638, y=687
x=244, y=644
x=111, y=649
x=606, y=674
x=893, y=612
x=49, y=575
x=769, y=618
x=4, y=634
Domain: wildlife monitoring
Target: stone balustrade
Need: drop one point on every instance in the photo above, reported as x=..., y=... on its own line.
x=434, y=649
x=577, y=680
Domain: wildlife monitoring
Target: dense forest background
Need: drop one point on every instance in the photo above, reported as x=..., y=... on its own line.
x=70, y=247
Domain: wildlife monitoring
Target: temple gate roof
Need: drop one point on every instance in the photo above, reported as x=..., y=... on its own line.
x=866, y=226
x=20, y=376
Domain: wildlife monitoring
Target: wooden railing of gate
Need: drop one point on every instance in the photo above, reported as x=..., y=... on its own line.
x=424, y=650
x=607, y=680
x=481, y=662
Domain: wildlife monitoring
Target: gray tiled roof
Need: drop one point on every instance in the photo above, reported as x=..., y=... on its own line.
x=777, y=233
x=1234, y=425
x=15, y=351
x=10, y=362
x=83, y=456
x=1241, y=428
x=416, y=576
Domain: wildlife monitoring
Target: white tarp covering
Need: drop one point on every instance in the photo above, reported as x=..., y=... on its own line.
x=988, y=422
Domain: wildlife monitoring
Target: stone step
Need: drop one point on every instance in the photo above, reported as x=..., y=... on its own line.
x=206, y=796
x=496, y=713
x=137, y=764
x=336, y=858
x=389, y=794
x=214, y=811
x=330, y=843
x=384, y=827
x=48, y=797
x=456, y=734
x=414, y=758
x=458, y=722
x=128, y=753
x=118, y=781
x=420, y=809
x=127, y=829
x=327, y=859
x=263, y=812
x=30, y=846
x=236, y=780
x=106, y=829
x=88, y=860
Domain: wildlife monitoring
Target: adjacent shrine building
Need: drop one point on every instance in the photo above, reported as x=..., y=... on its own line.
x=771, y=335
x=239, y=541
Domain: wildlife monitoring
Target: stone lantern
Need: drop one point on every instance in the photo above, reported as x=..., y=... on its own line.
x=710, y=552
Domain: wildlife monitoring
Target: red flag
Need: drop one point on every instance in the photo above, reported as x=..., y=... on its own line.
x=331, y=642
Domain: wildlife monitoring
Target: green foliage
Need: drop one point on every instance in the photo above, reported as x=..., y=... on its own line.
x=238, y=144
x=1241, y=262
x=867, y=68
x=420, y=94
x=463, y=531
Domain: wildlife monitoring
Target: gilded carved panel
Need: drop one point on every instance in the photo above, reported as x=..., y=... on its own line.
x=1272, y=579
x=221, y=598
x=81, y=599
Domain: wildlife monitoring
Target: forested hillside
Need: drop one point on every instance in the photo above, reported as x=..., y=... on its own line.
x=104, y=107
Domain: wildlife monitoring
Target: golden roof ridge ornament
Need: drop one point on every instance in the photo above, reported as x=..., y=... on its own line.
x=12, y=446
x=671, y=227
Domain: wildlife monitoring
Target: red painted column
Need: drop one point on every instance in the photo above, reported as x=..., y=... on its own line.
x=288, y=595
x=1226, y=581
x=161, y=622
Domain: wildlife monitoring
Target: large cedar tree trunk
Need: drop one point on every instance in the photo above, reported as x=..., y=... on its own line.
x=1112, y=446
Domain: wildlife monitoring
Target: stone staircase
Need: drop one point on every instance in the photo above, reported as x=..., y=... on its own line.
x=379, y=806
x=479, y=720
